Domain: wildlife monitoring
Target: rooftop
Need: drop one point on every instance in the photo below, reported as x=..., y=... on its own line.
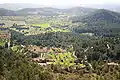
x=40, y=49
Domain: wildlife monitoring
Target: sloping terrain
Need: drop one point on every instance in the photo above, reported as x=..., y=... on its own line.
x=5, y=12
x=102, y=22
x=78, y=11
x=102, y=15
x=41, y=11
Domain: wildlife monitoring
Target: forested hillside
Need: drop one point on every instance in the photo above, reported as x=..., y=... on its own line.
x=59, y=44
x=101, y=22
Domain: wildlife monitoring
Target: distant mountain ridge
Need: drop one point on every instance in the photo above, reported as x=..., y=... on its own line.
x=18, y=6
x=42, y=11
x=49, y=11
x=5, y=12
x=79, y=10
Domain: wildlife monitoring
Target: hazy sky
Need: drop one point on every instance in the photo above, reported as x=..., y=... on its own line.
x=62, y=2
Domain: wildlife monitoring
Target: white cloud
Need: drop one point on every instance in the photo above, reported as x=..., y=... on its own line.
x=61, y=2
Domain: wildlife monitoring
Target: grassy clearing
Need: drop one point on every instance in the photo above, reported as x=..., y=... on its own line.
x=60, y=30
x=64, y=59
x=16, y=48
x=45, y=25
x=2, y=42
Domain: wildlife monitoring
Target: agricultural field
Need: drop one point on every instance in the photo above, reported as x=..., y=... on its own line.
x=45, y=25
x=35, y=29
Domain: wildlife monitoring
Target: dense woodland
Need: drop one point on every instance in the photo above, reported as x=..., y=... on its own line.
x=16, y=65
x=79, y=42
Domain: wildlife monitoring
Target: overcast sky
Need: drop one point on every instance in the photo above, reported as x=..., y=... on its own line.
x=62, y=2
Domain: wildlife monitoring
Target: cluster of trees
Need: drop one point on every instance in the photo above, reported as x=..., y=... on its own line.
x=96, y=46
x=97, y=49
x=101, y=22
x=57, y=39
x=14, y=65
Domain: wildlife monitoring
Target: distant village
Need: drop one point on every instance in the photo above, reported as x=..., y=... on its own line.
x=4, y=32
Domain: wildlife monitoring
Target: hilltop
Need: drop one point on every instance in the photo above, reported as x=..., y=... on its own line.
x=101, y=22
x=79, y=10
x=102, y=15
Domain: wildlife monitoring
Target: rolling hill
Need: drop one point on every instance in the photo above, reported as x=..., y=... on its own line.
x=101, y=22
x=79, y=11
x=47, y=11
x=102, y=15
x=5, y=12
